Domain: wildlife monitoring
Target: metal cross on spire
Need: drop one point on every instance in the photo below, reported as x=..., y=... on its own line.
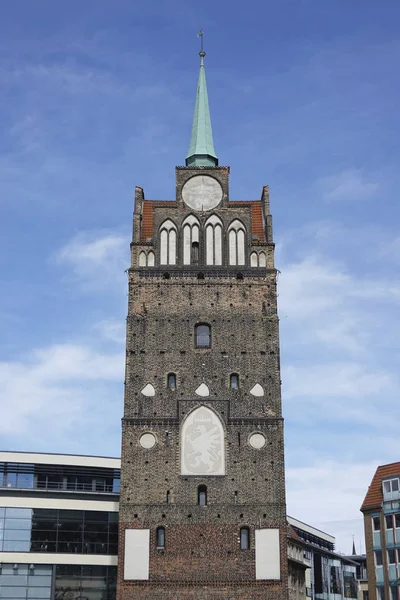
x=200, y=35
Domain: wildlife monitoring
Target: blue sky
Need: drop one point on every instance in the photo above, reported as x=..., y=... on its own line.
x=97, y=97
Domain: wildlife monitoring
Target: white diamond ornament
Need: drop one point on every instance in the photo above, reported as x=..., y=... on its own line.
x=149, y=390
x=202, y=390
x=257, y=390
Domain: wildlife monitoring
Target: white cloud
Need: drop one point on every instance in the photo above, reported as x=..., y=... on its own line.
x=328, y=496
x=57, y=393
x=98, y=260
x=346, y=186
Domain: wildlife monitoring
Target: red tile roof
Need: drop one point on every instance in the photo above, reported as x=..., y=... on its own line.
x=374, y=497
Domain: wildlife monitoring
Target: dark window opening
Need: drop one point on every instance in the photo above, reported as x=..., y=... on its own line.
x=160, y=535
x=200, y=276
x=203, y=336
x=168, y=497
x=236, y=498
x=166, y=275
x=195, y=253
x=234, y=381
x=171, y=383
x=202, y=495
x=244, y=538
x=389, y=521
x=377, y=523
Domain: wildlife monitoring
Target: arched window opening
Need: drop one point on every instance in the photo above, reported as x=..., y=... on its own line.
x=168, y=243
x=191, y=230
x=168, y=497
x=236, y=243
x=202, y=495
x=195, y=253
x=160, y=537
x=254, y=259
x=203, y=336
x=244, y=538
x=171, y=381
x=214, y=241
x=142, y=259
x=262, y=260
x=234, y=381
x=150, y=259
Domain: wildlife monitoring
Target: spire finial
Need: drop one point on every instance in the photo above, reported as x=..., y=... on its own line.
x=201, y=149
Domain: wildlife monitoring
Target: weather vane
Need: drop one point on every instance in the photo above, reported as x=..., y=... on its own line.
x=200, y=35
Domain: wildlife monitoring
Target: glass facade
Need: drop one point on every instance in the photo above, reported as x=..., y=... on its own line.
x=59, y=477
x=19, y=582
x=68, y=531
x=69, y=582
x=85, y=582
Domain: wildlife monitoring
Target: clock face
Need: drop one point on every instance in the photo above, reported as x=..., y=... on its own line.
x=202, y=192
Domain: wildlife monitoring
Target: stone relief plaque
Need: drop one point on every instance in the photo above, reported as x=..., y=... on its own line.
x=202, y=444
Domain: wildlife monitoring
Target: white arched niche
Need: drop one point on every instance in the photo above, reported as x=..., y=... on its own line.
x=168, y=243
x=236, y=243
x=191, y=229
x=202, y=443
x=214, y=241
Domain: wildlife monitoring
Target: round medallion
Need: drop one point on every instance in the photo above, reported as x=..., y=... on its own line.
x=147, y=440
x=202, y=193
x=257, y=440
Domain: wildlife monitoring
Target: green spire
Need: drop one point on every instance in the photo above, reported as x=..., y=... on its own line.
x=201, y=150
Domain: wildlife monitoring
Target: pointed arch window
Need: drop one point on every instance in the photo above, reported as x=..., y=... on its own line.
x=244, y=538
x=202, y=495
x=191, y=233
x=168, y=243
x=160, y=537
x=236, y=238
x=214, y=241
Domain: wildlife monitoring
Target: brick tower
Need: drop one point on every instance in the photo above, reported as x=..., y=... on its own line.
x=202, y=511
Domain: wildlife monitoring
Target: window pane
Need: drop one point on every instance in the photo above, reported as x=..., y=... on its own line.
x=18, y=524
x=386, y=488
x=395, y=485
x=160, y=537
x=391, y=556
x=378, y=558
x=389, y=521
x=377, y=523
x=203, y=336
x=19, y=513
x=172, y=381
x=244, y=538
x=397, y=518
x=234, y=381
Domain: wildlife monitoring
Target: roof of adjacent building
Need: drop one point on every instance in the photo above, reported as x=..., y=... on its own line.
x=60, y=459
x=257, y=220
x=374, y=496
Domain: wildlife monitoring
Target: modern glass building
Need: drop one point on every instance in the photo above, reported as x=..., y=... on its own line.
x=58, y=526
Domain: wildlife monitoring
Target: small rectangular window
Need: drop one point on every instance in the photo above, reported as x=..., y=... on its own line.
x=397, y=518
x=386, y=487
x=391, y=556
x=394, y=592
x=378, y=558
x=395, y=485
x=244, y=538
